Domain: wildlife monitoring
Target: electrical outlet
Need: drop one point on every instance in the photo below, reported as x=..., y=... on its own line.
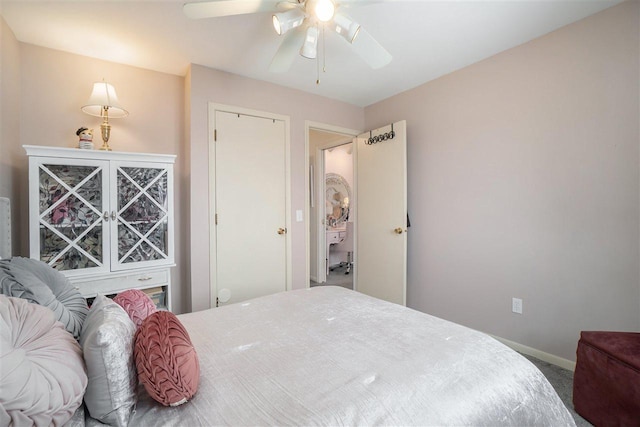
x=516, y=305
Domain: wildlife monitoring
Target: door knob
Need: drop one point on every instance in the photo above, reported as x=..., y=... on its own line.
x=282, y=231
x=398, y=230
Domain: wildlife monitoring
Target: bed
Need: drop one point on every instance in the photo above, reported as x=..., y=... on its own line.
x=332, y=356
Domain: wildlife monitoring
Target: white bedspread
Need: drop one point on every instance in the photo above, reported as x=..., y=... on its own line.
x=330, y=356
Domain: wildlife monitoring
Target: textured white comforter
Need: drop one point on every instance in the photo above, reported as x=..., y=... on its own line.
x=330, y=356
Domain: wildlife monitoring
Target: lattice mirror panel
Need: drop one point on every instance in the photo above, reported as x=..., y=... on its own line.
x=70, y=216
x=143, y=214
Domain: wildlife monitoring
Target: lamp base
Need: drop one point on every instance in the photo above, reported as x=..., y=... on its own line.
x=105, y=130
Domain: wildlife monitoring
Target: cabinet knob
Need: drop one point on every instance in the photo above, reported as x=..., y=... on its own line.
x=105, y=216
x=113, y=215
x=398, y=230
x=282, y=231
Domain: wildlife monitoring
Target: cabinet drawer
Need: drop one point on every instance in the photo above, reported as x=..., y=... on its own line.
x=336, y=237
x=114, y=284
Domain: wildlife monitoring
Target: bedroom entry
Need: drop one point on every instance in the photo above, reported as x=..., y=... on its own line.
x=249, y=204
x=375, y=206
x=332, y=226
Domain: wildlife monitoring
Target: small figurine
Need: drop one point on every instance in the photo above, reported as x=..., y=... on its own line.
x=86, y=138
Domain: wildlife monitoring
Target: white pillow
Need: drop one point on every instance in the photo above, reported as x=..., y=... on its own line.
x=42, y=374
x=107, y=340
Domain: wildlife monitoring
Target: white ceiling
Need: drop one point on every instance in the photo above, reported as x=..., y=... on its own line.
x=426, y=38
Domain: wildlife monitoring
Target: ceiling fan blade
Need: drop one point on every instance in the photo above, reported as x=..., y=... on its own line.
x=358, y=3
x=364, y=2
x=288, y=50
x=217, y=8
x=370, y=50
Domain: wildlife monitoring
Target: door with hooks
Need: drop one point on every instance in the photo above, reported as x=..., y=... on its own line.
x=381, y=224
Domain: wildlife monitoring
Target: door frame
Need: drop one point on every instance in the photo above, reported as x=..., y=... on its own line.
x=212, y=109
x=348, y=133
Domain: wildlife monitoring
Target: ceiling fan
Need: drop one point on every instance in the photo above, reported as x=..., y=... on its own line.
x=300, y=22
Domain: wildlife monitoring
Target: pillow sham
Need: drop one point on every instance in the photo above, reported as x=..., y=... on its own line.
x=137, y=304
x=37, y=282
x=42, y=374
x=166, y=360
x=107, y=341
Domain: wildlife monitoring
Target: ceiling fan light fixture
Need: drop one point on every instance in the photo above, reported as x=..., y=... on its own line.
x=324, y=10
x=310, y=46
x=285, y=21
x=347, y=28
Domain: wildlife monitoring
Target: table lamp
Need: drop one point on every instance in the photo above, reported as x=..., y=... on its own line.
x=103, y=102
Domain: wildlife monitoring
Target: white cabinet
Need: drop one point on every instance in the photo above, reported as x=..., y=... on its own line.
x=104, y=219
x=334, y=236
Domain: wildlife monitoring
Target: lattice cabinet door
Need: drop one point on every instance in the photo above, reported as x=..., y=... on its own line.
x=142, y=205
x=72, y=214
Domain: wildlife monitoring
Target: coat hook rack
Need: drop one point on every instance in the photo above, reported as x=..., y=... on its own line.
x=382, y=137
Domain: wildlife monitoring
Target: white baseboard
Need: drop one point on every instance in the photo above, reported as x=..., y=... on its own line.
x=538, y=354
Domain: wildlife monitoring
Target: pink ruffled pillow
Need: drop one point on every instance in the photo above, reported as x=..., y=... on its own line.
x=166, y=361
x=137, y=304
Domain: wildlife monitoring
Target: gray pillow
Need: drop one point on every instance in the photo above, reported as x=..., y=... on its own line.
x=37, y=282
x=107, y=341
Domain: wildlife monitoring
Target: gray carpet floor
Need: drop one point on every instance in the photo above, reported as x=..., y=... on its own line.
x=561, y=379
x=337, y=277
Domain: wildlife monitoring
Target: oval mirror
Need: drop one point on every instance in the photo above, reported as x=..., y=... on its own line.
x=338, y=197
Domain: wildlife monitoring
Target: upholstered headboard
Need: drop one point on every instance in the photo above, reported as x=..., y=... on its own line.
x=5, y=228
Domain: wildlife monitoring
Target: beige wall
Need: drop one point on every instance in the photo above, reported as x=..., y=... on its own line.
x=208, y=85
x=10, y=154
x=524, y=182
x=54, y=85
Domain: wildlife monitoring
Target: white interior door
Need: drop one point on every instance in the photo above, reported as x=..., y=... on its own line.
x=250, y=207
x=381, y=188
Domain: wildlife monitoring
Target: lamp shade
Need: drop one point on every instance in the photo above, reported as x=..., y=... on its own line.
x=104, y=95
x=310, y=47
x=346, y=27
x=285, y=21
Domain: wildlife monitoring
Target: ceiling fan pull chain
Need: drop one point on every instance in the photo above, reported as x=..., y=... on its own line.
x=317, y=69
x=324, y=51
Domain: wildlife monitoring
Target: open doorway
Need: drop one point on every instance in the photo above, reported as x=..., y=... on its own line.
x=332, y=198
x=380, y=225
